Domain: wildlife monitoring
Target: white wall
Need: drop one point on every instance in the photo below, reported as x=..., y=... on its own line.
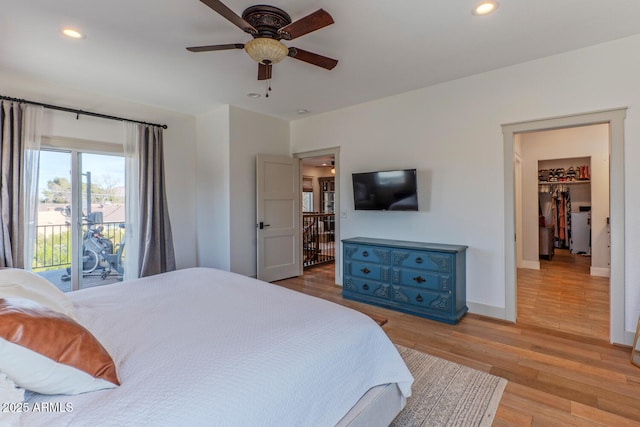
x=251, y=134
x=584, y=141
x=452, y=134
x=179, y=143
x=229, y=139
x=214, y=197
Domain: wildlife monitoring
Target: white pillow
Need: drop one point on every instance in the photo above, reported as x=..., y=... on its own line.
x=48, y=352
x=16, y=283
x=11, y=397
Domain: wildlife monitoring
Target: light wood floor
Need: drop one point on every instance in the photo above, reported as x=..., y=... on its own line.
x=555, y=378
x=563, y=296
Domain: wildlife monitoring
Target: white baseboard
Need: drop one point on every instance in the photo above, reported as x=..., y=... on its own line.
x=628, y=338
x=487, y=310
x=601, y=272
x=532, y=265
x=500, y=313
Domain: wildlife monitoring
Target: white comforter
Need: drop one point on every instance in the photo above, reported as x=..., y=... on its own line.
x=204, y=347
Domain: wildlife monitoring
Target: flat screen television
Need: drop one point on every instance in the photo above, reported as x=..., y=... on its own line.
x=386, y=190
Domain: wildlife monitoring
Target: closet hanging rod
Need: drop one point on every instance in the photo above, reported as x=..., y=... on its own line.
x=78, y=112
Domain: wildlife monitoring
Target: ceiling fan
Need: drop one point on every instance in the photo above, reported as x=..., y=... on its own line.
x=268, y=25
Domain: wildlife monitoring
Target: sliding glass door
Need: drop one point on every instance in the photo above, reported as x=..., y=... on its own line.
x=81, y=216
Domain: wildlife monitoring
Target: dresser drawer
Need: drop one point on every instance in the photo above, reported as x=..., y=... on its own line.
x=367, y=253
x=441, y=262
x=421, y=279
x=367, y=270
x=422, y=298
x=367, y=287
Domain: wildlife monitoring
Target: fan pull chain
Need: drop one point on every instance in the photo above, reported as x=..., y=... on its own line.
x=268, y=81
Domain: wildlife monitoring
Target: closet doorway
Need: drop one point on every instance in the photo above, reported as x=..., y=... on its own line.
x=564, y=265
x=512, y=134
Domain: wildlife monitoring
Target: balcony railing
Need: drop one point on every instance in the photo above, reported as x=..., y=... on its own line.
x=53, y=245
x=318, y=238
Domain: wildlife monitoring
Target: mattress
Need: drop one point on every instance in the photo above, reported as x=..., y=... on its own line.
x=378, y=407
x=207, y=347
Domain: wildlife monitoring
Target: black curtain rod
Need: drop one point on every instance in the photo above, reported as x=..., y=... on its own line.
x=78, y=112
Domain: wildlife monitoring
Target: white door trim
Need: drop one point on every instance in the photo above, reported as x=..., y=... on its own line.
x=615, y=118
x=518, y=208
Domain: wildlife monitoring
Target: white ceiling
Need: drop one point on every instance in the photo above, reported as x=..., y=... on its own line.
x=135, y=49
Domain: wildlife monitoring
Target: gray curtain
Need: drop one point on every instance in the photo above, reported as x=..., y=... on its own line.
x=11, y=202
x=156, y=241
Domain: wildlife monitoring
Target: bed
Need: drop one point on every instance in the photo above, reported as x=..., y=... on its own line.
x=203, y=346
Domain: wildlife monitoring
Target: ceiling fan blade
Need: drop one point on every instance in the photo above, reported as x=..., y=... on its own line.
x=230, y=15
x=318, y=19
x=313, y=58
x=264, y=71
x=215, y=47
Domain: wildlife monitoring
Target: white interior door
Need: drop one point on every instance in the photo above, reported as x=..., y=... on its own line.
x=278, y=217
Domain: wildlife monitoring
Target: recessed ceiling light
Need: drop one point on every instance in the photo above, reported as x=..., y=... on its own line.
x=72, y=33
x=254, y=95
x=485, y=8
x=302, y=111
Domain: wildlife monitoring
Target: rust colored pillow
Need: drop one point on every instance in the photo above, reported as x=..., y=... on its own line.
x=48, y=352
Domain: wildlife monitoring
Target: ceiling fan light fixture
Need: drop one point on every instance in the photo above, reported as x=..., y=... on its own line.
x=485, y=8
x=72, y=33
x=266, y=51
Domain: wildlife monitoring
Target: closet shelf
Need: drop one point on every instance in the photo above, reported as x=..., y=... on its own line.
x=564, y=182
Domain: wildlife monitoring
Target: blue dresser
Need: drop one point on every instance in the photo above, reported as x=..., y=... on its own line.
x=424, y=279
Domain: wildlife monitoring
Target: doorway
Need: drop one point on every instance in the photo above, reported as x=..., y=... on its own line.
x=320, y=201
x=564, y=240
x=511, y=134
x=79, y=239
x=318, y=211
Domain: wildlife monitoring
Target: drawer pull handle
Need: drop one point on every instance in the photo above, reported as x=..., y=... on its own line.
x=419, y=279
x=418, y=260
x=365, y=254
x=419, y=298
x=365, y=270
x=365, y=287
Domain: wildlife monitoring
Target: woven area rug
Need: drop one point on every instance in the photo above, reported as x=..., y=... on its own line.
x=448, y=394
